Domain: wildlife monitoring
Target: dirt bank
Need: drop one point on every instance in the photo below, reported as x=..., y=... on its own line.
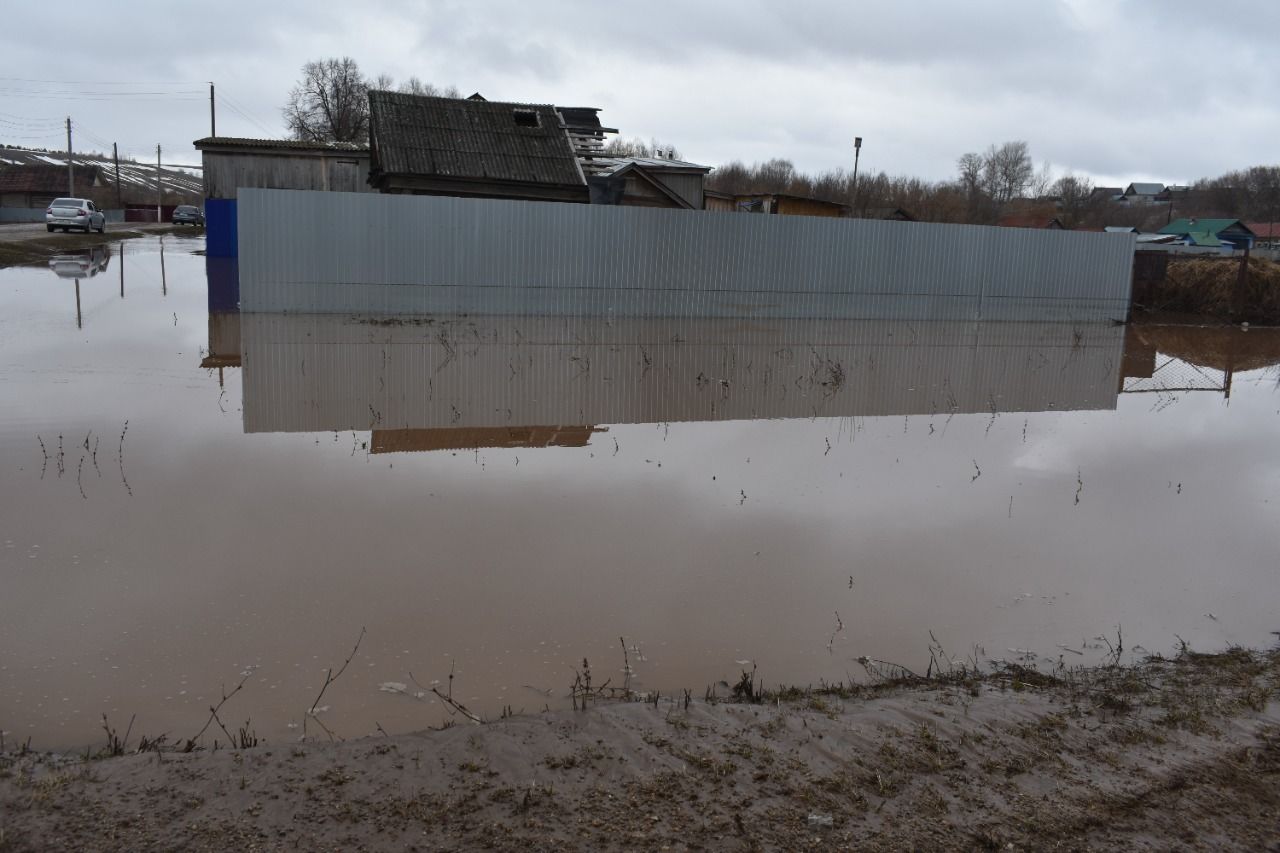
x=21, y=247
x=1177, y=754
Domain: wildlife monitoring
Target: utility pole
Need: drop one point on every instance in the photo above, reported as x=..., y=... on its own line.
x=159, y=191
x=213, y=116
x=115, y=155
x=857, y=150
x=71, y=174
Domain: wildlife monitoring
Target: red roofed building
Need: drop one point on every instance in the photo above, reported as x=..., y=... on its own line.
x=36, y=186
x=1267, y=232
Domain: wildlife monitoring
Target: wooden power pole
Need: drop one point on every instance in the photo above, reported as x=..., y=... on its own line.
x=159, y=191
x=115, y=156
x=71, y=173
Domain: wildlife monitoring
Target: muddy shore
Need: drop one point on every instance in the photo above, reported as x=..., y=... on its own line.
x=23, y=247
x=1168, y=754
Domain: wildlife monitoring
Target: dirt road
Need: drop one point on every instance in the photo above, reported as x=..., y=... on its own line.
x=16, y=231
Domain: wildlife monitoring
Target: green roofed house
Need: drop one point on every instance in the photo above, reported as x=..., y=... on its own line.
x=1215, y=233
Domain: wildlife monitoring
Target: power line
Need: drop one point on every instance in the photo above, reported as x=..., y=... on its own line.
x=158, y=96
x=110, y=82
x=245, y=115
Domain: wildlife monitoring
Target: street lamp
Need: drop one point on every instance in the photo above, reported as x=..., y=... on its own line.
x=857, y=150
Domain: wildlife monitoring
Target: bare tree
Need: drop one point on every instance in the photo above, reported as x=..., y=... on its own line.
x=971, y=167
x=1041, y=182
x=382, y=83
x=1008, y=170
x=415, y=86
x=637, y=147
x=329, y=103
x=1076, y=199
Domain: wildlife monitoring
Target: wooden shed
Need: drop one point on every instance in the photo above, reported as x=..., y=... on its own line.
x=233, y=163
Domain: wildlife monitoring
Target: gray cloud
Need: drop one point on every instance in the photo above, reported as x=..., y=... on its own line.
x=1117, y=89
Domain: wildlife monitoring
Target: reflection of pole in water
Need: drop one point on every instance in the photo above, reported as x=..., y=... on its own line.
x=164, y=283
x=79, y=324
x=122, y=269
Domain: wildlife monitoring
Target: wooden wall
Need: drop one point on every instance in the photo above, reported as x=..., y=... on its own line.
x=226, y=172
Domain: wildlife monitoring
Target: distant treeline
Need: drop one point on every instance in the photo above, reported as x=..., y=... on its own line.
x=1003, y=180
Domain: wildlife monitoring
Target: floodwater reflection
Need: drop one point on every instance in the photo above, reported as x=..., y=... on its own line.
x=714, y=492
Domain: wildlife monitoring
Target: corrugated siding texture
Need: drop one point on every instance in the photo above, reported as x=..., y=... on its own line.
x=323, y=372
x=356, y=253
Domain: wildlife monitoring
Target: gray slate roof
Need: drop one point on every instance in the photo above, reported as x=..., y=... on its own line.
x=464, y=139
x=292, y=144
x=609, y=165
x=1146, y=189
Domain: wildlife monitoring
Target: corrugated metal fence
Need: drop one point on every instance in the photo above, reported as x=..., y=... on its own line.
x=353, y=252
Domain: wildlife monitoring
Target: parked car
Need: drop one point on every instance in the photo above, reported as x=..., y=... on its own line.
x=68, y=213
x=187, y=214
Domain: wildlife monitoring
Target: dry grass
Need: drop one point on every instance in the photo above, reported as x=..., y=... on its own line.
x=1207, y=286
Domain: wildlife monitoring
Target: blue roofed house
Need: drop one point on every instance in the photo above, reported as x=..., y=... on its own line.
x=1211, y=233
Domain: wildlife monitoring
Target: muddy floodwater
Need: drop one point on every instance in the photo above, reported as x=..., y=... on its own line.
x=190, y=497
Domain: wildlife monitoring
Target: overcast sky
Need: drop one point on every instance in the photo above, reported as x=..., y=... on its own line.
x=1117, y=89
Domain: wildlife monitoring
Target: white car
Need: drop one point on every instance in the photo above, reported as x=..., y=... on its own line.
x=68, y=213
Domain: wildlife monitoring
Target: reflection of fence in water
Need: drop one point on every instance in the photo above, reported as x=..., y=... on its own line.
x=1172, y=375
x=326, y=372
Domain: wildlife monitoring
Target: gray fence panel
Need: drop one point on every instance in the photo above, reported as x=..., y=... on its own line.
x=351, y=252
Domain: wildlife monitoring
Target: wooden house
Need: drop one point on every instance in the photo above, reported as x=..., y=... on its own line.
x=647, y=182
x=476, y=148
x=1226, y=234
x=775, y=203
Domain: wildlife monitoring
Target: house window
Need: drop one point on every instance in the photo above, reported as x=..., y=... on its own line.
x=525, y=118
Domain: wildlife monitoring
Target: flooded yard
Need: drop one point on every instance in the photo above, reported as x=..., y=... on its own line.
x=190, y=497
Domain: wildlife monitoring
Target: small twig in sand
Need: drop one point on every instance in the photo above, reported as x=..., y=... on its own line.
x=447, y=698
x=213, y=713
x=626, y=665
x=329, y=678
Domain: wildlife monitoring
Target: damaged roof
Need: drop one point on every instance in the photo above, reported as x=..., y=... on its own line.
x=290, y=144
x=470, y=140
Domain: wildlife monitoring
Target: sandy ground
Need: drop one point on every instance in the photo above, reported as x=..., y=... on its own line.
x=1167, y=755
